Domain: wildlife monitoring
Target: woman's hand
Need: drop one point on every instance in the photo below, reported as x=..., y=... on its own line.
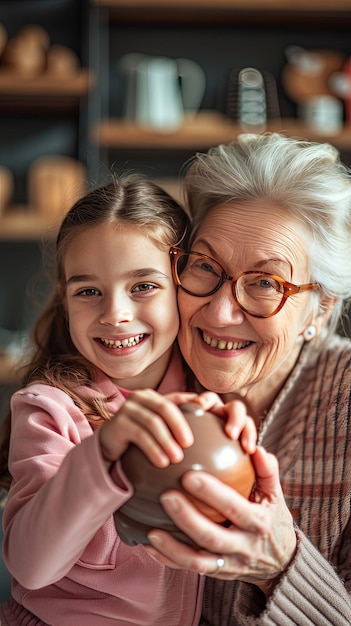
x=257, y=547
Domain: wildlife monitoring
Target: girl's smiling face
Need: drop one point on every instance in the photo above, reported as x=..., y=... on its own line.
x=121, y=303
x=228, y=350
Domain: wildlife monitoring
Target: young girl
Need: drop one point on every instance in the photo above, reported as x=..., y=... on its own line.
x=108, y=330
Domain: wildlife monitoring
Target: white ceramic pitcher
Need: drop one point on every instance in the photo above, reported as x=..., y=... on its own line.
x=161, y=90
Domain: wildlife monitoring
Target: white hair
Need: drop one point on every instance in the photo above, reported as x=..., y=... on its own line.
x=306, y=179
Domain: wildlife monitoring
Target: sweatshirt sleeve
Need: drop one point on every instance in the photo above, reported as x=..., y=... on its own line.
x=62, y=492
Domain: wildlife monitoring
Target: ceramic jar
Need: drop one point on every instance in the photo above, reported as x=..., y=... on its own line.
x=212, y=451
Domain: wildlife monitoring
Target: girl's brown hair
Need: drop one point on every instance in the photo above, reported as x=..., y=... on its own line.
x=129, y=198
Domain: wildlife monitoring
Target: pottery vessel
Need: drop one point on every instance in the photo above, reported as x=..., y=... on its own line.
x=212, y=451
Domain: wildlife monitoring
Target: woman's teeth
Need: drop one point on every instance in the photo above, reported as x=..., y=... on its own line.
x=122, y=343
x=221, y=344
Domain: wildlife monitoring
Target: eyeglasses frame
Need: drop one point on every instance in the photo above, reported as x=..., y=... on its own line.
x=290, y=289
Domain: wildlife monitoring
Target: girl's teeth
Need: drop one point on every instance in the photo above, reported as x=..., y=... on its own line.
x=124, y=343
x=221, y=344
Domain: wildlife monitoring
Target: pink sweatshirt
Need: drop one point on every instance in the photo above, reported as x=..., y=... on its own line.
x=69, y=567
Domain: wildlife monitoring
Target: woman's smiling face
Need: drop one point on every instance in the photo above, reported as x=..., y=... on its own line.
x=228, y=350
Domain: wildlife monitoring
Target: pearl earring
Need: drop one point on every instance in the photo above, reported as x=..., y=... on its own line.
x=310, y=332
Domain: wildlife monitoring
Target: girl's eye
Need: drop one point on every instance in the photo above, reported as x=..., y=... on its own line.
x=144, y=287
x=89, y=292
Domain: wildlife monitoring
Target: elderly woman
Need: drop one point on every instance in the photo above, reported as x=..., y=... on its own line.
x=261, y=292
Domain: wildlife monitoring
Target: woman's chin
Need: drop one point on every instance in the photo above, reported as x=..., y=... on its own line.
x=218, y=381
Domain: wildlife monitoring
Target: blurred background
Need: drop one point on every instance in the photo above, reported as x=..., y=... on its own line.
x=87, y=87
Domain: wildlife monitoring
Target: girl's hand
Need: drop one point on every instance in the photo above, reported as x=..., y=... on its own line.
x=238, y=424
x=256, y=548
x=151, y=421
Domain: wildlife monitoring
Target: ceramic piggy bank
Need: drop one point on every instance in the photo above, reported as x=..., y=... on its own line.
x=212, y=451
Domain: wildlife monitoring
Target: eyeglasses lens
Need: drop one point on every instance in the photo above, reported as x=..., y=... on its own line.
x=259, y=294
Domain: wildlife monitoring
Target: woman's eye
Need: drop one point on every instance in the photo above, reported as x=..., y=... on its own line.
x=205, y=266
x=269, y=283
x=144, y=287
x=260, y=284
x=89, y=292
x=264, y=283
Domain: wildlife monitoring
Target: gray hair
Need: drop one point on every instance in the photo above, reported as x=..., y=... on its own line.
x=306, y=179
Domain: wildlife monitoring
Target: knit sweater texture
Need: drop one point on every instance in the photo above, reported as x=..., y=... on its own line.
x=308, y=429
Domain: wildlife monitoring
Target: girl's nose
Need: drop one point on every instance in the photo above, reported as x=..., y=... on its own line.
x=222, y=308
x=116, y=310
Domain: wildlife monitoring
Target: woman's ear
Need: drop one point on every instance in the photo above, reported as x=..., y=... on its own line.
x=320, y=319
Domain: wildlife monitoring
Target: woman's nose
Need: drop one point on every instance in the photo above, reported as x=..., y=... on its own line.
x=222, y=307
x=116, y=310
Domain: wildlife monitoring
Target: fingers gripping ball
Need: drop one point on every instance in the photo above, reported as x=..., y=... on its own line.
x=212, y=451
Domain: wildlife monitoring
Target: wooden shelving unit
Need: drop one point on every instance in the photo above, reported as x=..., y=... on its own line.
x=201, y=132
x=25, y=224
x=76, y=85
x=37, y=107
x=44, y=93
x=211, y=127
